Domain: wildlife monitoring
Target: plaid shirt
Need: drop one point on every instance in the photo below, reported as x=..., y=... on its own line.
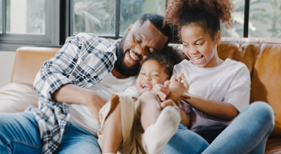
x=83, y=61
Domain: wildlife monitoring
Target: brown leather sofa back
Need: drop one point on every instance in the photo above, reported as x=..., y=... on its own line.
x=263, y=59
x=28, y=61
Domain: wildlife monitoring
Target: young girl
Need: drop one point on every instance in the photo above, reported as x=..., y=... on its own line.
x=219, y=89
x=123, y=120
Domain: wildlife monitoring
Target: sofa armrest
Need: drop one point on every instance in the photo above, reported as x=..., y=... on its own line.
x=15, y=97
x=28, y=61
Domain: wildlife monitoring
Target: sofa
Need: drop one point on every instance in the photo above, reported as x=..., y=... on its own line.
x=261, y=56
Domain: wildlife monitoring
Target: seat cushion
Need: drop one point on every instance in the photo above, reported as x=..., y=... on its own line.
x=273, y=146
x=15, y=97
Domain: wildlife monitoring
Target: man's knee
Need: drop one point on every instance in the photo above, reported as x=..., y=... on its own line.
x=6, y=120
x=10, y=122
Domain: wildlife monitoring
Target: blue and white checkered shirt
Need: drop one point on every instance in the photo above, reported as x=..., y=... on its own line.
x=83, y=61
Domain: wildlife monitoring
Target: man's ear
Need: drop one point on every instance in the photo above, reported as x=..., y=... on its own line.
x=128, y=29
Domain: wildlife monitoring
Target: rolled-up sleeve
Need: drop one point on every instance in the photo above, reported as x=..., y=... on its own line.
x=55, y=72
x=84, y=61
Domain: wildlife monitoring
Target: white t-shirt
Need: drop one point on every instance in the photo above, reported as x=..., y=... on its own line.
x=79, y=113
x=228, y=82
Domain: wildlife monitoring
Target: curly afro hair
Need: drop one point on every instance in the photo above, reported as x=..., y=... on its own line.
x=167, y=57
x=205, y=13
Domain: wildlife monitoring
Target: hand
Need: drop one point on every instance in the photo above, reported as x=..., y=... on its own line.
x=162, y=91
x=94, y=104
x=178, y=86
x=180, y=82
x=170, y=102
x=182, y=79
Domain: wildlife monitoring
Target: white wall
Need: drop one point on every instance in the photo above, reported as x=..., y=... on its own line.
x=6, y=66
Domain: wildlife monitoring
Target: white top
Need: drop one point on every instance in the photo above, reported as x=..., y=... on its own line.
x=132, y=91
x=79, y=113
x=228, y=82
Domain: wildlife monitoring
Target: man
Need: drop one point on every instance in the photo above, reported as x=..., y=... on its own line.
x=83, y=75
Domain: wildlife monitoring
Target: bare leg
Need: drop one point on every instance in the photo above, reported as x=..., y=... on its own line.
x=112, y=130
x=159, y=126
x=150, y=109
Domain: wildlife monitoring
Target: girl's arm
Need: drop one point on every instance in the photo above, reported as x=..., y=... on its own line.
x=217, y=109
x=235, y=100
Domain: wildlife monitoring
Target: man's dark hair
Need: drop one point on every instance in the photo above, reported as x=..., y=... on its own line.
x=157, y=21
x=167, y=57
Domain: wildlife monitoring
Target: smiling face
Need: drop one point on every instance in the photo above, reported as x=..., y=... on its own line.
x=140, y=40
x=151, y=73
x=200, y=48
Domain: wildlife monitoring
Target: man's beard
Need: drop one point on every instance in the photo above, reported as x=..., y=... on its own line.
x=119, y=64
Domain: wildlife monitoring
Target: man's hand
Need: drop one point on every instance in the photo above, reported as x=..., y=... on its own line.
x=73, y=94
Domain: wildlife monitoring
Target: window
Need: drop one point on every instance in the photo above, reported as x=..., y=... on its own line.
x=1, y=16
x=29, y=22
x=130, y=10
x=25, y=17
x=111, y=18
x=251, y=18
x=96, y=16
x=238, y=21
x=265, y=18
x=49, y=22
x=255, y=18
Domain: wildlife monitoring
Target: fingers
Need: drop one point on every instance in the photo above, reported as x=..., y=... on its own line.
x=167, y=84
x=162, y=90
x=168, y=102
x=161, y=95
x=181, y=78
x=181, y=104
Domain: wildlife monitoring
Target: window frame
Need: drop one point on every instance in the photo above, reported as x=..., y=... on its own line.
x=246, y=19
x=59, y=26
x=51, y=38
x=174, y=39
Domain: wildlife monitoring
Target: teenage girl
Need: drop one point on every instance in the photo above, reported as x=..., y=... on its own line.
x=219, y=90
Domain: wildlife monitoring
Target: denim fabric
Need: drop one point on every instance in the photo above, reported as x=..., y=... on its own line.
x=185, y=142
x=78, y=141
x=20, y=134
x=247, y=133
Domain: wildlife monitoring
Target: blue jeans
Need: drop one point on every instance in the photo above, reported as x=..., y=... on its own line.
x=247, y=133
x=19, y=133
